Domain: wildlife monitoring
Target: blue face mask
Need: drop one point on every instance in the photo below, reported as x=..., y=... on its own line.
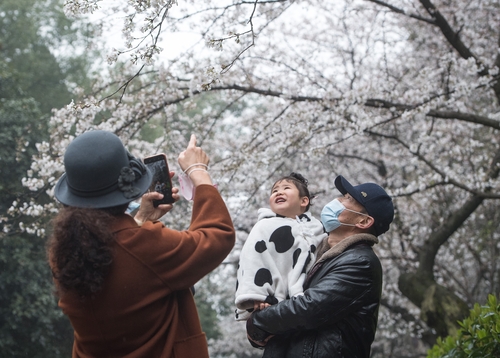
x=330, y=215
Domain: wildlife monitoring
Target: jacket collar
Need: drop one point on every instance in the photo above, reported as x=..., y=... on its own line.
x=340, y=247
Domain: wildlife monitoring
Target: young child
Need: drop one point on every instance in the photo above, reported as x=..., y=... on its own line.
x=279, y=249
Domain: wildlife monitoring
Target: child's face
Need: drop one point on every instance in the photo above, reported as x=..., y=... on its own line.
x=285, y=199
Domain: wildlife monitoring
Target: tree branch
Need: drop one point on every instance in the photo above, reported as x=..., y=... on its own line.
x=440, y=21
x=450, y=35
x=379, y=164
x=402, y=12
x=466, y=117
x=493, y=172
x=442, y=234
x=267, y=93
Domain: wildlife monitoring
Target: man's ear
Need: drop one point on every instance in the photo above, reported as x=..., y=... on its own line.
x=366, y=223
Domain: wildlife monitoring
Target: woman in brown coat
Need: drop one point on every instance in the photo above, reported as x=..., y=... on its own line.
x=125, y=283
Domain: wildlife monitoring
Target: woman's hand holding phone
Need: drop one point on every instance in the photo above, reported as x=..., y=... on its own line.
x=162, y=181
x=193, y=158
x=147, y=210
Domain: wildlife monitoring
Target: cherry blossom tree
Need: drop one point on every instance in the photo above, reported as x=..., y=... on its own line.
x=401, y=93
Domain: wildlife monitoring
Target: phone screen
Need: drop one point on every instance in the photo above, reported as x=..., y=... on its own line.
x=161, y=178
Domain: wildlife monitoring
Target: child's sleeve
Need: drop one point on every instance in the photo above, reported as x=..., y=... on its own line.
x=258, y=275
x=254, y=277
x=310, y=233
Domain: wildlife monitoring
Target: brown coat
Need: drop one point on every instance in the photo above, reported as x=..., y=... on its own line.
x=145, y=308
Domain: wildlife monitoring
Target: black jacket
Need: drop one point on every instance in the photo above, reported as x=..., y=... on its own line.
x=337, y=315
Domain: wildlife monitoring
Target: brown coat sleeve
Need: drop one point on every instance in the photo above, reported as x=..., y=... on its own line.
x=181, y=258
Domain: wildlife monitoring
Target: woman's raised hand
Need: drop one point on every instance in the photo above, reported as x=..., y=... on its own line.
x=194, y=162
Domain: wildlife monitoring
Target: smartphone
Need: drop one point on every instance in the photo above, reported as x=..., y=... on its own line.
x=161, y=178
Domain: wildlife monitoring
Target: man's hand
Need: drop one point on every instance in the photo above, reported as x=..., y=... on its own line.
x=259, y=305
x=256, y=336
x=259, y=343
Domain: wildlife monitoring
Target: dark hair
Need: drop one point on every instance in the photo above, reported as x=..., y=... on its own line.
x=79, y=248
x=300, y=183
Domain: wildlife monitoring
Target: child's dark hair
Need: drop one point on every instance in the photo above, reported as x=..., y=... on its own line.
x=301, y=183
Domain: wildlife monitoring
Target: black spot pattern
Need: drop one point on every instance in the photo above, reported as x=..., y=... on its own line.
x=262, y=276
x=282, y=238
x=271, y=300
x=308, y=260
x=296, y=255
x=260, y=246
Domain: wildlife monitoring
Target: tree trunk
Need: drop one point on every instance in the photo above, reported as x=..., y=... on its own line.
x=440, y=308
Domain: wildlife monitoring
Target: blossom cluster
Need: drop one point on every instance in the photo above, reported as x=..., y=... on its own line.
x=326, y=88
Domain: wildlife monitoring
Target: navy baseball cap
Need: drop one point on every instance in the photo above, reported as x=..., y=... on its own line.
x=373, y=198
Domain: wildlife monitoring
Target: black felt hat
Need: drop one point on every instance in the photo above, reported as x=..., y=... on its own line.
x=375, y=200
x=101, y=173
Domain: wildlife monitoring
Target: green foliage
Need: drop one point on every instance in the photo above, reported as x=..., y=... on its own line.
x=478, y=336
x=208, y=315
x=22, y=124
x=38, y=68
x=213, y=301
x=31, y=324
x=31, y=33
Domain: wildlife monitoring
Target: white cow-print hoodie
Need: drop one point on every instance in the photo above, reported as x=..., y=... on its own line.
x=275, y=259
